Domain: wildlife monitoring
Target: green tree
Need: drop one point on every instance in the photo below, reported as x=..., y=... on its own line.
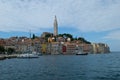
x=2, y=49
x=33, y=36
x=75, y=38
x=66, y=35
x=83, y=40
x=60, y=35
x=48, y=35
x=10, y=50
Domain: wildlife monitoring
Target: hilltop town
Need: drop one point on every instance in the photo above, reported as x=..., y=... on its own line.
x=51, y=43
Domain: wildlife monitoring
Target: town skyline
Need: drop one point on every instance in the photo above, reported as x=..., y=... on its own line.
x=96, y=20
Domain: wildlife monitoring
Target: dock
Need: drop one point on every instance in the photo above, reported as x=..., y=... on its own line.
x=2, y=57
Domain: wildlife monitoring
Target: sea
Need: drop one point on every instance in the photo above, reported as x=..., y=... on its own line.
x=63, y=67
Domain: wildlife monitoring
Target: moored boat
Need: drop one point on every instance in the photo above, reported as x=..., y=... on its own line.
x=27, y=55
x=79, y=53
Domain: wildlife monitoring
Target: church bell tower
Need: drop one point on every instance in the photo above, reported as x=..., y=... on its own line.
x=55, y=27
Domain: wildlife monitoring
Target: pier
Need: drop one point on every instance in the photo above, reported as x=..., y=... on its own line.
x=2, y=57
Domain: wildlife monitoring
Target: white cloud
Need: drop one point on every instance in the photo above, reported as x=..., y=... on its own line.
x=115, y=35
x=85, y=15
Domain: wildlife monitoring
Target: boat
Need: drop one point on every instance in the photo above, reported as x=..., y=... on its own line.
x=36, y=53
x=79, y=51
x=28, y=55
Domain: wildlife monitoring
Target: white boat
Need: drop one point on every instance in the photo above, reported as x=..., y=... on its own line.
x=36, y=53
x=80, y=51
x=27, y=55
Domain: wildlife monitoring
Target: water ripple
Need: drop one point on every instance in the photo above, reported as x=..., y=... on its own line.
x=62, y=67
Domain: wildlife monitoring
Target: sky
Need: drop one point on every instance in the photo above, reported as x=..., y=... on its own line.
x=98, y=21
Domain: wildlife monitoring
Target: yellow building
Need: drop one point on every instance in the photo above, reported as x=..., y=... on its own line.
x=44, y=48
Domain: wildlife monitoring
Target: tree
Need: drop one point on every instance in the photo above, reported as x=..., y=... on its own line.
x=75, y=38
x=33, y=37
x=66, y=35
x=83, y=40
x=10, y=50
x=48, y=35
x=2, y=49
x=60, y=35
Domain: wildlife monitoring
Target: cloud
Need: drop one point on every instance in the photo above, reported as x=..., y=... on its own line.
x=115, y=35
x=85, y=15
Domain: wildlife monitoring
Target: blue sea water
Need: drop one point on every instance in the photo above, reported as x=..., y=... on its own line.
x=62, y=67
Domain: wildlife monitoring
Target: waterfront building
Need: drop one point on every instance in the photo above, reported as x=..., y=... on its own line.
x=10, y=43
x=107, y=49
x=55, y=26
x=95, y=49
x=23, y=45
x=36, y=45
x=86, y=48
x=2, y=42
x=100, y=48
x=103, y=48
x=61, y=39
x=54, y=48
x=44, y=48
x=69, y=48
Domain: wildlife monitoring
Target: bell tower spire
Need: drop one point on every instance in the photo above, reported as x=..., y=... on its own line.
x=55, y=26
